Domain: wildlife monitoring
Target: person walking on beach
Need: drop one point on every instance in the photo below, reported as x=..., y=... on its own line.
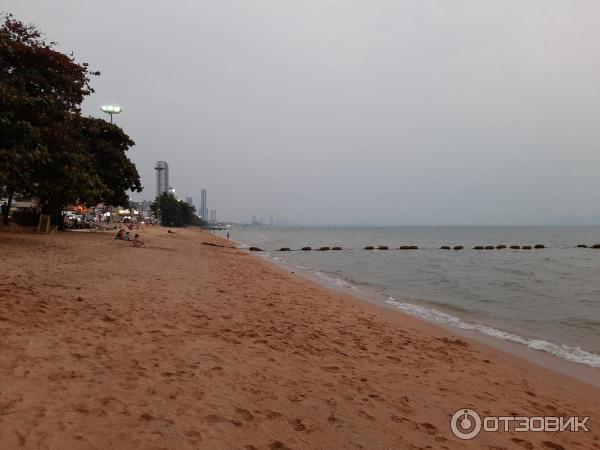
x=227, y=234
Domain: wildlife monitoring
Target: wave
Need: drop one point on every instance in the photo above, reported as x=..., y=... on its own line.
x=338, y=282
x=573, y=354
x=588, y=324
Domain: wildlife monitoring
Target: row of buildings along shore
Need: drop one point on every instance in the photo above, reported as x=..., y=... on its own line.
x=27, y=211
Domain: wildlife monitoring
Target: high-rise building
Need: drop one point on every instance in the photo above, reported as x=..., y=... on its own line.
x=213, y=216
x=203, y=205
x=189, y=200
x=162, y=177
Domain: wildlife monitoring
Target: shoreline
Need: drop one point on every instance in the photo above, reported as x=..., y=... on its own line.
x=576, y=371
x=547, y=360
x=184, y=345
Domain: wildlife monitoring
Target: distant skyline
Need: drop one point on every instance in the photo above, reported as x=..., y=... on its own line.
x=352, y=113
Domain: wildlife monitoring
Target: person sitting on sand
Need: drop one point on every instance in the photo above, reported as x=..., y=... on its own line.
x=119, y=235
x=127, y=236
x=137, y=242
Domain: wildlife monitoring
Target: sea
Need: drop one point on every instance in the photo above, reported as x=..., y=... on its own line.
x=546, y=299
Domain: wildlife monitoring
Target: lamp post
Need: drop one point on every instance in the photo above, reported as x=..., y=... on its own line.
x=111, y=110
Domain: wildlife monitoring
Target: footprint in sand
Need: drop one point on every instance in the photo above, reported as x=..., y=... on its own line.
x=277, y=445
x=523, y=443
x=553, y=445
x=272, y=414
x=298, y=425
x=244, y=414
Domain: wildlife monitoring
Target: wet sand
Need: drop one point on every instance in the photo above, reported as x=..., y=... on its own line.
x=183, y=345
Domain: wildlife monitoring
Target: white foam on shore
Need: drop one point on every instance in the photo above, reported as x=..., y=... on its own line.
x=338, y=282
x=573, y=354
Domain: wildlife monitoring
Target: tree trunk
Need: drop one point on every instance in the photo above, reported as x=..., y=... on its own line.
x=11, y=192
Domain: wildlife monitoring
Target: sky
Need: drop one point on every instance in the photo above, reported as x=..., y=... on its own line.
x=331, y=112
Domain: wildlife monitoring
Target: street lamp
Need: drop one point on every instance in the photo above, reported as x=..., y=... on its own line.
x=110, y=110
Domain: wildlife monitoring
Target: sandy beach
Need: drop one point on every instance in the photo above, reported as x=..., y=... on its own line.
x=182, y=345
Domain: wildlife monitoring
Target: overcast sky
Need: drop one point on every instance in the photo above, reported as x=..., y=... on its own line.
x=352, y=112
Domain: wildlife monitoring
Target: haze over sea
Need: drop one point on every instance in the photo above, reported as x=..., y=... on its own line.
x=547, y=299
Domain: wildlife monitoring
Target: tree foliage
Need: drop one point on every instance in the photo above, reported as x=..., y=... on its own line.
x=47, y=149
x=175, y=213
x=106, y=146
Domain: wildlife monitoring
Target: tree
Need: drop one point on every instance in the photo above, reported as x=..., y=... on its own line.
x=37, y=82
x=87, y=163
x=175, y=213
x=106, y=145
x=47, y=149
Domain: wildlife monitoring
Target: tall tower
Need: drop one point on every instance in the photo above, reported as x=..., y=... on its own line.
x=162, y=177
x=203, y=205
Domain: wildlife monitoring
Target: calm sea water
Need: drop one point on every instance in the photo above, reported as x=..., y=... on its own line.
x=547, y=299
